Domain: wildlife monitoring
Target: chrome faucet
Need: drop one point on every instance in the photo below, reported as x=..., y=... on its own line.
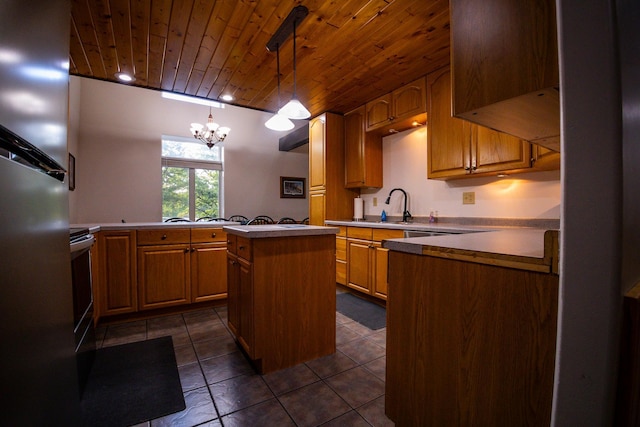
x=405, y=213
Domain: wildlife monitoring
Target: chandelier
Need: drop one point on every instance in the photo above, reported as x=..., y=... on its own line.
x=210, y=134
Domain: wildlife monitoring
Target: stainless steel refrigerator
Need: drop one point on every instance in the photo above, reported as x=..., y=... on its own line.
x=38, y=380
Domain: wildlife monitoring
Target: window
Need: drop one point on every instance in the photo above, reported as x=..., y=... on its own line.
x=191, y=179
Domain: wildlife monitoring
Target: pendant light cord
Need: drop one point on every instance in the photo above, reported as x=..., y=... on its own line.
x=294, y=59
x=278, y=68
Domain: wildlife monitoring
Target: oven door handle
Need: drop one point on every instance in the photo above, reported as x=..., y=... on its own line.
x=80, y=247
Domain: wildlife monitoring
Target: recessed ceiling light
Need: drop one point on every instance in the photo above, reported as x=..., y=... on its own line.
x=227, y=98
x=124, y=77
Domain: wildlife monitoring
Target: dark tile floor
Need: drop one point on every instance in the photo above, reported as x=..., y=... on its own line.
x=221, y=388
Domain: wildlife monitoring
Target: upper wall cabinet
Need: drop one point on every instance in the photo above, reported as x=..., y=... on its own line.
x=396, y=111
x=504, y=61
x=458, y=148
x=363, y=152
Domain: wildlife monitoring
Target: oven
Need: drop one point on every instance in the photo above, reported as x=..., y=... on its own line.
x=80, y=242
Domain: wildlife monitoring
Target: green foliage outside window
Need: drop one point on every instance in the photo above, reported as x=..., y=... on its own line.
x=191, y=179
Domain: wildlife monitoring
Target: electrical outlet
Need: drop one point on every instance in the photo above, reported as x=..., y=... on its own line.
x=375, y=201
x=469, y=198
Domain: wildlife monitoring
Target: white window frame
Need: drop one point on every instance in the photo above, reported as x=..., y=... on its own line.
x=192, y=165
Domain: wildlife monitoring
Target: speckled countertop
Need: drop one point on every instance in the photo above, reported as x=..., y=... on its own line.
x=525, y=248
x=278, y=230
x=152, y=225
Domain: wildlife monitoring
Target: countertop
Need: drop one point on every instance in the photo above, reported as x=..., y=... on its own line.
x=278, y=230
x=523, y=248
x=412, y=226
x=149, y=225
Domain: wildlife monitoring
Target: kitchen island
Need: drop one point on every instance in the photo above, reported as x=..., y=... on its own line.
x=471, y=328
x=281, y=292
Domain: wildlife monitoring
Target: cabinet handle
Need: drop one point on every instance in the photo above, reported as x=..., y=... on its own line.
x=241, y=248
x=228, y=241
x=193, y=249
x=213, y=234
x=186, y=251
x=164, y=237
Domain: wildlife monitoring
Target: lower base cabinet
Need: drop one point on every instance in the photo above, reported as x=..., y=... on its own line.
x=469, y=344
x=114, y=273
x=367, y=260
x=282, y=298
x=146, y=269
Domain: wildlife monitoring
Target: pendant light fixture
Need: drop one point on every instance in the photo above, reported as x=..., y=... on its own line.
x=294, y=108
x=278, y=121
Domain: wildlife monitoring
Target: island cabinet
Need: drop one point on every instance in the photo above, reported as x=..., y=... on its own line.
x=469, y=343
x=281, y=305
x=396, y=111
x=367, y=260
x=363, y=152
x=328, y=197
x=509, y=86
x=458, y=148
x=114, y=273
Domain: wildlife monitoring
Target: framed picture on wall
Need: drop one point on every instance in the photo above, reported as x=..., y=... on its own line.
x=292, y=188
x=72, y=172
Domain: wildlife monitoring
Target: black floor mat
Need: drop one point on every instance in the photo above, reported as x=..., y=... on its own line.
x=364, y=312
x=132, y=383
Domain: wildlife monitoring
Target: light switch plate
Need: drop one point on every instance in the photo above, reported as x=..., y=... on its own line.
x=375, y=201
x=469, y=198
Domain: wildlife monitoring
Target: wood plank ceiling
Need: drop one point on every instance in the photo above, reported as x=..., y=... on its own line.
x=348, y=51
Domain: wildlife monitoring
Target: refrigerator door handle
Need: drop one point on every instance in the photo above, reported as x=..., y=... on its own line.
x=28, y=154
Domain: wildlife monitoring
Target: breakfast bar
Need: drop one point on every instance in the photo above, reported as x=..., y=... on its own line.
x=471, y=328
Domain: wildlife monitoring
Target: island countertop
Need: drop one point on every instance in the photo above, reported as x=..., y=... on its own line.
x=278, y=230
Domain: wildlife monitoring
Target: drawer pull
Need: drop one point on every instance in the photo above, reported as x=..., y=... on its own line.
x=164, y=237
x=213, y=234
x=186, y=251
x=229, y=241
x=241, y=248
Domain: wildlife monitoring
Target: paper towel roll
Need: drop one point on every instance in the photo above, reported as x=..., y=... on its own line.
x=358, y=208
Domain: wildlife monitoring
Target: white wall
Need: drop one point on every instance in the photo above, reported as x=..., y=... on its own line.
x=118, y=171
x=118, y=165
x=531, y=195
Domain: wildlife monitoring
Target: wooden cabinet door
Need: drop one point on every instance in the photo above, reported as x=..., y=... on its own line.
x=448, y=139
x=363, y=152
x=341, y=260
x=359, y=256
x=380, y=269
x=497, y=151
x=163, y=276
x=317, y=153
x=378, y=112
x=409, y=100
x=246, y=336
x=233, y=294
x=208, y=271
x=544, y=158
x=317, y=207
x=354, y=148
x=117, y=272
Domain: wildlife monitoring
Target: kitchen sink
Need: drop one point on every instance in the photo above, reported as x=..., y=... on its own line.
x=430, y=233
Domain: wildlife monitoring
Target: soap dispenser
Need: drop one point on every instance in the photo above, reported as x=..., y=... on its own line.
x=383, y=216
